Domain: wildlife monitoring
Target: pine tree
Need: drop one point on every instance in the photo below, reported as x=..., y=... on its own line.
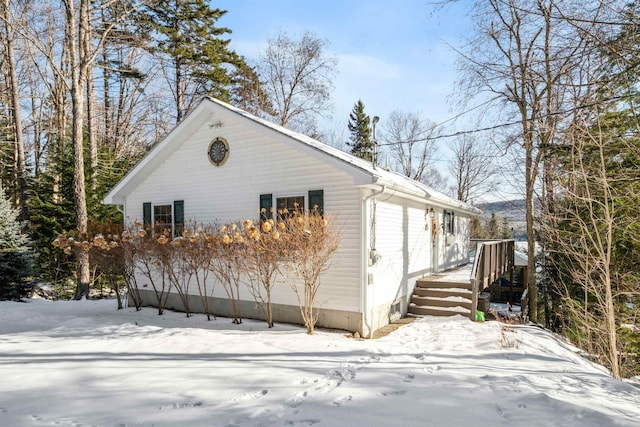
x=52, y=213
x=492, y=230
x=361, y=143
x=200, y=61
x=477, y=231
x=505, y=229
x=15, y=255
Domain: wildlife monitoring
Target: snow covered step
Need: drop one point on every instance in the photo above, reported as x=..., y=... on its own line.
x=433, y=296
x=447, y=301
x=435, y=284
x=415, y=310
x=442, y=292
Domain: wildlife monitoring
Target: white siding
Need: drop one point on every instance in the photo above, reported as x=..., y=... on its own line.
x=259, y=164
x=454, y=250
x=404, y=247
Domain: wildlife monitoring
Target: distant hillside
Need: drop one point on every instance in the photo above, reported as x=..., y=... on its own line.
x=513, y=210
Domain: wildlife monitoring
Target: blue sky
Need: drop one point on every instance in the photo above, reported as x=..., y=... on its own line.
x=392, y=54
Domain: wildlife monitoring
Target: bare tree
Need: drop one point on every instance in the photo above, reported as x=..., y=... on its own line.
x=152, y=257
x=311, y=240
x=227, y=252
x=335, y=135
x=472, y=167
x=298, y=79
x=197, y=245
x=583, y=232
x=264, y=254
x=525, y=53
x=181, y=270
x=410, y=139
x=80, y=53
x=128, y=251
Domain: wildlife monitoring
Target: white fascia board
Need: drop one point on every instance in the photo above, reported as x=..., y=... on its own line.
x=421, y=194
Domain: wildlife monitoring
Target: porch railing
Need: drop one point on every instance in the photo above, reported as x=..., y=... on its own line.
x=492, y=259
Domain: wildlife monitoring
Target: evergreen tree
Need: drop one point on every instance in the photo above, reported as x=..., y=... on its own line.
x=200, y=61
x=16, y=257
x=477, y=231
x=359, y=126
x=505, y=229
x=492, y=230
x=52, y=213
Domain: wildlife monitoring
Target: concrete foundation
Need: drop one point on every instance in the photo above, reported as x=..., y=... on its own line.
x=331, y=319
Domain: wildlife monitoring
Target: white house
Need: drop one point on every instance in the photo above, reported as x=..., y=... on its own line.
x=221, y=163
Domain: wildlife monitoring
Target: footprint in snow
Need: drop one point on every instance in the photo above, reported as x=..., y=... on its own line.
x=182, y=405
x=409, y=377
x=393, y=393
x=256, y=395
x=297, y=400
x=308, y=422
x=341, y=401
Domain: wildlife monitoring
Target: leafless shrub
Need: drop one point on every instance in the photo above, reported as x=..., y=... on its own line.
x=263, y=256
x=152, y=258
x=310, y=240
x=181, y=270
x=111, y=258
x=227, y=252
x=196, y=251
x=129, y=268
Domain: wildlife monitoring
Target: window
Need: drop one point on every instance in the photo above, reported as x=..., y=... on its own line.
x=162, y=220
x=449, y=222
x=285, y=206
x=315, y=200
x=168, y=219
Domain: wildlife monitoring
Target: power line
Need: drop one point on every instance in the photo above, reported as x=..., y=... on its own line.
x=501, y=125
x=437, y=125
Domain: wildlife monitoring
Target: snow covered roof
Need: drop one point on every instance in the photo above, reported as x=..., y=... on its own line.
x=520, y=259
x=393, y=182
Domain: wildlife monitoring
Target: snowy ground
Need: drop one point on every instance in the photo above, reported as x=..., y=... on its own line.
x=86, y=364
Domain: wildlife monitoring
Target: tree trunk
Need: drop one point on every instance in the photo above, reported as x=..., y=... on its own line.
x=91, y=129
x=179, y=91
x=14, y=96
x=106, y=87
x=77, y=55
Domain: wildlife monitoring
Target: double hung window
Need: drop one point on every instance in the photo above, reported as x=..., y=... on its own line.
x=165, y=219
x=449, y=222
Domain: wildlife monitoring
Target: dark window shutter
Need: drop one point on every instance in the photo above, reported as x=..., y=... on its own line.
x=178, y=217
x=453, y=224
x=146, y=216
x=316, y=198
x=266, y=204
